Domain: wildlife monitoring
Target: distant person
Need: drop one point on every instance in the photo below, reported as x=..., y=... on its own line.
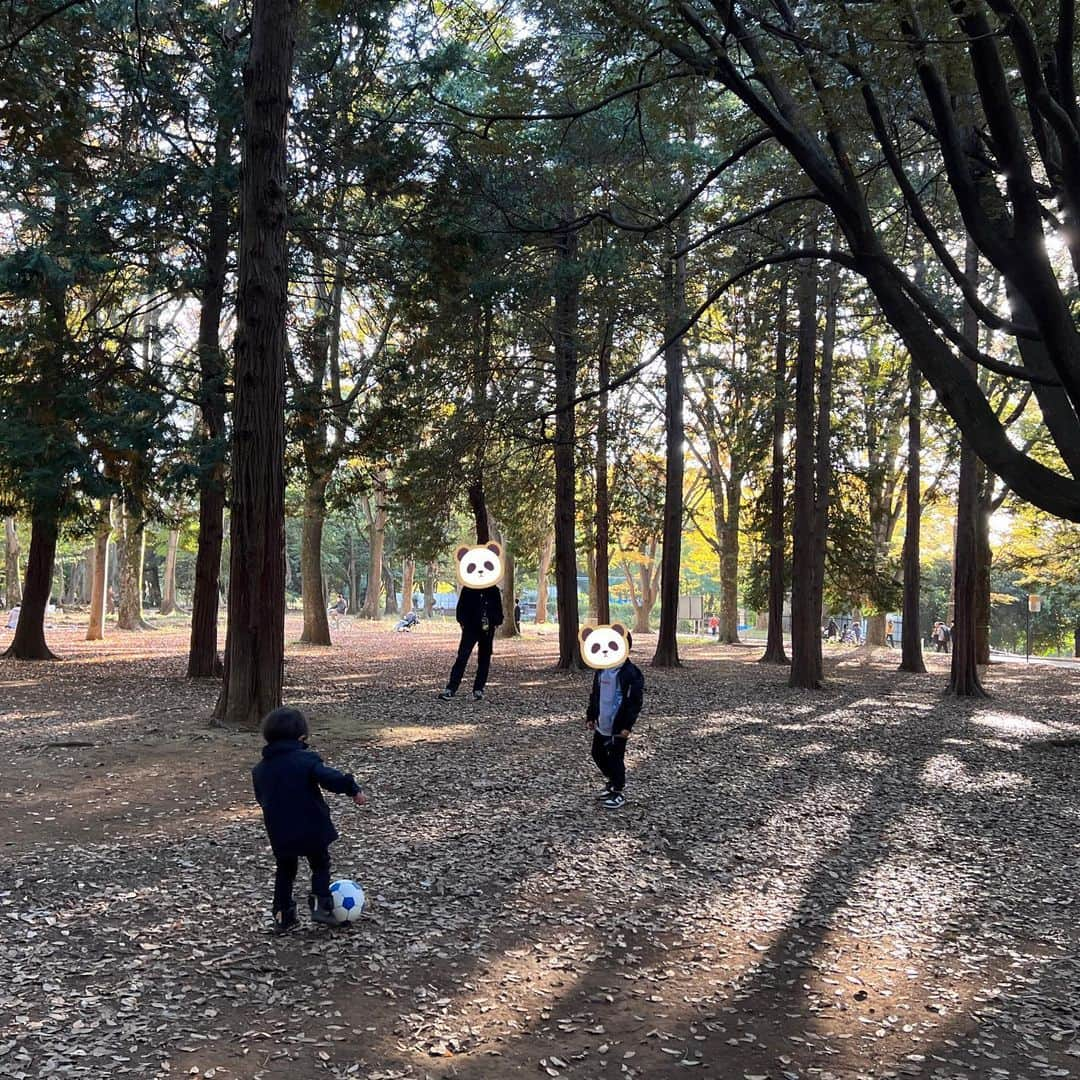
x=889, y=634
x=13, y=617
x=714, y=626
x=338, y=610
x=856, y=631
x=288, y=786
x=517, y=614
x=832, y=630
x=940, y=636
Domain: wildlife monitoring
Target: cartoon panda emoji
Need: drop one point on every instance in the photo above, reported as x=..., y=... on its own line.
x=479, y=567
x=604, y=647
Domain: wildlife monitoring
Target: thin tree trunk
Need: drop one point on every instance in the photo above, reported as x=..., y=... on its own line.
x=667, y=645
x=255, y=641
x=964, y=672
x=391, y=607
x=29, y=640
x=984, y=556
x=130, y=550
x=316, y=623
x=408, y=578
x=729, y=564
x=99, y=578
x=911, y=653
x=478, y=505
x=774, y=643
x=370, y=610
x=806, y=667
x=567, y=300
x=429, y=589
x=602, y=568
x=168, y=589
x=354, y=602
x=203, y=659
x=509, y=626
x=547, y=553
x=12, y=579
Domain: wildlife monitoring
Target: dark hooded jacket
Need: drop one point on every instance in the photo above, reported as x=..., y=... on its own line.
x=287, y=787
x=473, y=604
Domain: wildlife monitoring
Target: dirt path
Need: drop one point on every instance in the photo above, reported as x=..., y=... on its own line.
x=866, y=882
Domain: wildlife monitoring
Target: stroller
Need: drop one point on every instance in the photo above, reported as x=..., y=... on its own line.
x=406, y=624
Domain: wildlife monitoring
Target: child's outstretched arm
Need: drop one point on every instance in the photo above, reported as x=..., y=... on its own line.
x=338, y=782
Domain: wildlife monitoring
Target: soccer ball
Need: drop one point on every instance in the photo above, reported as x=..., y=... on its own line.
x=348, y=900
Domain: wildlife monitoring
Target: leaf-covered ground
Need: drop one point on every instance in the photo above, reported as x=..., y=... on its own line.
x=870, y=881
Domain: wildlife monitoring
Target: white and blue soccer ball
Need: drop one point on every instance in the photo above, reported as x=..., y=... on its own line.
x=348, y=900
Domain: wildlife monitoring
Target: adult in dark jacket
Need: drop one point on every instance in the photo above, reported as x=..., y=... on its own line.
x=288, y=786
x=479, y=612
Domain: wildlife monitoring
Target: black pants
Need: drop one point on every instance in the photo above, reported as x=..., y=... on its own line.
x=472, y=636
x=287, y=865
x=608, y=752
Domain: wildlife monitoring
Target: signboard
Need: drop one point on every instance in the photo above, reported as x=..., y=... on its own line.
x=1034, y=603
x=692, y=607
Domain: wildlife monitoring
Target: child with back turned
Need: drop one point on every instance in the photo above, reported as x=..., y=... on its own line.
x=288, y=783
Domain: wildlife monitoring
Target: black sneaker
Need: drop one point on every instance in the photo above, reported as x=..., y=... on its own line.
x=478, y=695
x=286, y=921
x=446, y=694
x=322, y=910
x=604, y=793
x=614, y=801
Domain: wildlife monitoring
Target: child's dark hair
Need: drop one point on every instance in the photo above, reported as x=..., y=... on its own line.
x=284, y=723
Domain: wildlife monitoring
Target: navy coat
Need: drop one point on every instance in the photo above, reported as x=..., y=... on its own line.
x=632, y=688
x=473, y=604
x=287, y=787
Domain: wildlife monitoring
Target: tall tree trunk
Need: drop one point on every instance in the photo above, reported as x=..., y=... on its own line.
x=408, y=579
x=602, y=567
x=316, y=623
x=354, y=600
x=29, y=640
x=255, y=642
x=806, y=667
x=168, y=588
x=478, y=505
x=567, y=301
x=728, y=536
x=911, y=652
x=377, y=521
x=964, y=672
x=983, y=561
x=391, y=607
x=667, y=645
x=203, y=659
x=130, y=549
x=151, y=590
x=774, y=643
x=509, y=627
x=429, y=589
x=12, y=579
x=86, y=583
x=547, y=553
x=99, y=578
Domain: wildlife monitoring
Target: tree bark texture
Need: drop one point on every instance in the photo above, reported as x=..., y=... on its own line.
x=376, y=542
x=203, y=659
x=255, y=641
x=774, y=642
x=408, y=585
x=567, y=302
x=963, y=669
x=12, y=579
x=602, y=566
x=547, y=553
x=130, y=550
x=316, y=623
x=29, y=640
x=667, y=645
x=99, y=578
x=168, y=586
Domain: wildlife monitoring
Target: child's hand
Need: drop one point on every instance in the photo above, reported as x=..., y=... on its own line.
x=360, y=799
x=625, y=733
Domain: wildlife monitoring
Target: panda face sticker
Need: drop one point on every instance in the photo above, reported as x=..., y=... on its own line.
x=604, y=647
x=478, y=567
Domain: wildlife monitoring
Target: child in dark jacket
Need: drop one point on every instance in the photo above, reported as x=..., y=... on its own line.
x=287, y=787
x=614, y=705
